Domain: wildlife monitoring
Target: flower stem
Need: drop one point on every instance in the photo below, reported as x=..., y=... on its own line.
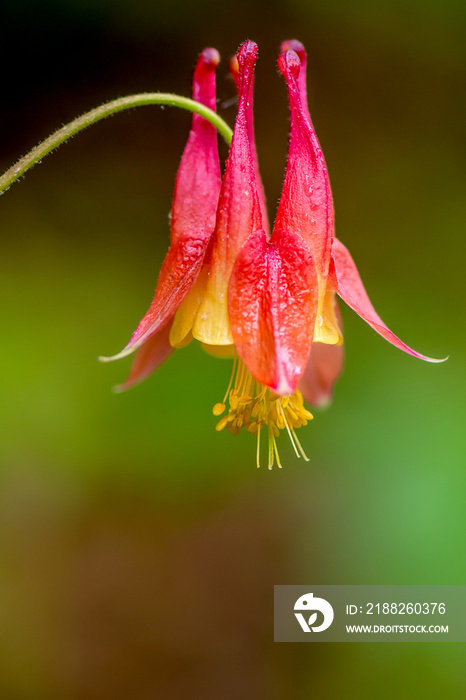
x=105, y=110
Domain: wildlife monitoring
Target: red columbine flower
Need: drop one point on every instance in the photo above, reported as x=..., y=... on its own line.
x=267, y=300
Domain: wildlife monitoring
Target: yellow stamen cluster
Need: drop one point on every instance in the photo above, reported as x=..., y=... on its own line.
x=253, y=406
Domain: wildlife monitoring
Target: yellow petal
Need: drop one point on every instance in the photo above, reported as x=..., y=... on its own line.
x=327, y=329
x=180, y=333
x=220, y=350
x=211, y=325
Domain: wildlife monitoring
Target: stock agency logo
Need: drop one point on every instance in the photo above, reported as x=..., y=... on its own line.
x=307, y=603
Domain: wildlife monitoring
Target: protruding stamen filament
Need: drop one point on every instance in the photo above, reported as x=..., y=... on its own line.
x=258, y=451
x=235, y=362
x=300, y=447
x=253, y=406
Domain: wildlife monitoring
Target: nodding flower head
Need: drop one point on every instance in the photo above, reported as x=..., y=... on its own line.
x=266, y=300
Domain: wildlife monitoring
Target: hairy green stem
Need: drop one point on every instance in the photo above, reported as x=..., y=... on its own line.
x=105, y=110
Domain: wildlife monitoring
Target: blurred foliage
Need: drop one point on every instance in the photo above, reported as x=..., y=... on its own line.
x=138, y=548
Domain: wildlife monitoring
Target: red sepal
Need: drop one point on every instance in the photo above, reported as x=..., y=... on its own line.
x=324, y=366
x=345, y=280
x=179, y=271
x=149, y=356
x=272, y=307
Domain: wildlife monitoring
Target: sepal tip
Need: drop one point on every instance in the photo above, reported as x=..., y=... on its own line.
x=119, y=356
x=119, y=388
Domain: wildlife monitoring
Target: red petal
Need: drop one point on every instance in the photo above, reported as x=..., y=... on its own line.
x=238, y=214
x=148, y=358
x=198, y=180
x=234, y=70
x=193, y=213
x=306, y=205
x=346, y=281
x=272, y=308
x=298, y=48
x=238, y=210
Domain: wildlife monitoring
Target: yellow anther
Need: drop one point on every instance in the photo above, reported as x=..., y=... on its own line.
x=297, y=399
x=222, y=423
x=273, y=414
x=291, y=413
x=295, y=422
x=253, y=406
x=255, y=409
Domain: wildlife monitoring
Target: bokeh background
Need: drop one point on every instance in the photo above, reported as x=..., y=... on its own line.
x=138, y=548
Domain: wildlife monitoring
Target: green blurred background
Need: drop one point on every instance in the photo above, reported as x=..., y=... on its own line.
x=138, y=548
